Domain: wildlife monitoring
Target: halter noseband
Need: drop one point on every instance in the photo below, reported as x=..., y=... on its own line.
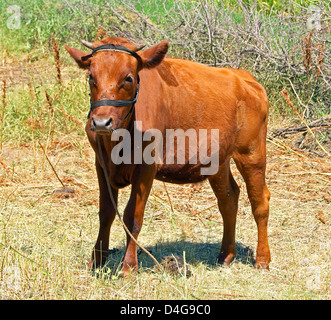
x=114, y=103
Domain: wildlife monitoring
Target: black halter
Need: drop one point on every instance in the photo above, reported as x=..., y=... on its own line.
x=114, y=103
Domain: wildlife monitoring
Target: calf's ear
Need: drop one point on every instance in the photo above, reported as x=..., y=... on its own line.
x=77, y=56
x=153, y=56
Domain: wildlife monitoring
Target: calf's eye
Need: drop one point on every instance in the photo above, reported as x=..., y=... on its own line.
x=92, y=80
x=129, y=79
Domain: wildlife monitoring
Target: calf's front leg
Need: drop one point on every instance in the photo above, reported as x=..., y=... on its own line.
x=134, y=213
x=106, y=217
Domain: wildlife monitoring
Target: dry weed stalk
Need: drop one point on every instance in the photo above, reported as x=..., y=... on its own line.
x=2, y=114
x=51, y=124
x=66, y=115
x=307, y=60
x=49, y=102
x=285, y=94
x=33, y=123
x=58, y=62
x=168, y=196
x=100, y=34
x=31, y=90
x=321, y=47
x=306, y=47
x=50, y=163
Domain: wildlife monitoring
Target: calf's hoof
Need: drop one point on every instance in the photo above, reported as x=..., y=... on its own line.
x=262, y=264
x=225, y=258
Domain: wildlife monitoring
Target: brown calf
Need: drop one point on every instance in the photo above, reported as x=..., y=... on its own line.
x=175, y=94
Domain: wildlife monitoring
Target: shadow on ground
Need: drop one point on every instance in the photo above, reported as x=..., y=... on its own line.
x=195, y=253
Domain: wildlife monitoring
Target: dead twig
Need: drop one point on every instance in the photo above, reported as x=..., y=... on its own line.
x=282, y=145
x=319, y=123
x=50, y=163
x=284, y=93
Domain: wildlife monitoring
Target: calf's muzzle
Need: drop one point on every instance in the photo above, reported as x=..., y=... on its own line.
x=100, y=125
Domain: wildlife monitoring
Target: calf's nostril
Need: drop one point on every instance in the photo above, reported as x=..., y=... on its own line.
x=109, y=122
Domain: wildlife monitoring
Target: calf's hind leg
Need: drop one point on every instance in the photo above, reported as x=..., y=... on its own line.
x=252, y=168
x=227, y=193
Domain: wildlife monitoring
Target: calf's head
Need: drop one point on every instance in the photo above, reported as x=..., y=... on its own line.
x=113, y=75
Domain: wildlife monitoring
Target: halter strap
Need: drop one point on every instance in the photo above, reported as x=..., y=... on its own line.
x=111, y=47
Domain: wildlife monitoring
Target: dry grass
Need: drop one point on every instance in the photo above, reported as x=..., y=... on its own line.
x=46, y=237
